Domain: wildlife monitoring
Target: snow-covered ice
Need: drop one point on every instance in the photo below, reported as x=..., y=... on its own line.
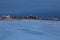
x=30, y=30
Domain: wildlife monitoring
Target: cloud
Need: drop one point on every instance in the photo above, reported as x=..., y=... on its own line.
x=26, y=6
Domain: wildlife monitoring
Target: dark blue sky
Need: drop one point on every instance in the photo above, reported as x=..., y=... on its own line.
x=43, y=8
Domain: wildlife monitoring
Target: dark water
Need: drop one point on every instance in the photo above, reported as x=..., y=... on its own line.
x=42, y=8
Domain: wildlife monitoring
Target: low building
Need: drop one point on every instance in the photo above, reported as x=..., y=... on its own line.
x=55, y=19
x=29, y=17
x=6, y=17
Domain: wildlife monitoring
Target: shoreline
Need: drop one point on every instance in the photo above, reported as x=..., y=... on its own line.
x=28, y=18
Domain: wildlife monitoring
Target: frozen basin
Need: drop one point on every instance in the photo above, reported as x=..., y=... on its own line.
x=30, y=30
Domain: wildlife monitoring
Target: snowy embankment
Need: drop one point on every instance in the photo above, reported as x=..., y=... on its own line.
x=30, y=30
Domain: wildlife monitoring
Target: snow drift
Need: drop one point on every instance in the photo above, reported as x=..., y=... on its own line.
x=30, y=30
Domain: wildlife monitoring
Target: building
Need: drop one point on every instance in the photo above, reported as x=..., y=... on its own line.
x=29, y=17
x=20, y=17
x=6, y=17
